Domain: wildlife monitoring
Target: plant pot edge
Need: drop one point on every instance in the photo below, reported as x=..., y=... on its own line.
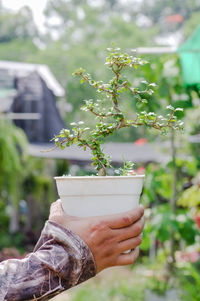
x=94, y=196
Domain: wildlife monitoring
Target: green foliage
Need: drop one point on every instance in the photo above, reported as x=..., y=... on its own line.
x=190, y=282
x=20, y=177
x=162, y=222
x=118, y=291
x=12, y=158
x=158, y=286
x=158, y=184
x=109, y=111
x=126, y=170
x=10, y=240
x=190, y=198
x=4, y=220
x=15, y=50
x=191, y=24
x=38, y=190
x=19, y=25
x=158, y=10
x=17, y=31
x=146, y=240
x=83, y=32
x=193, y=128
x=39, y=186
x=166, y=72
x=75, y=19
x=12, y=169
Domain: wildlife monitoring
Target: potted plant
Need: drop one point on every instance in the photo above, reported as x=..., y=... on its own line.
x=102, y=194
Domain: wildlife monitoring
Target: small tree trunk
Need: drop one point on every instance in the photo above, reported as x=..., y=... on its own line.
x=173, y=198
x=102, y=172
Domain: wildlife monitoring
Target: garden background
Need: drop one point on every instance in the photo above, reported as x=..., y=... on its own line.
x=77, y=34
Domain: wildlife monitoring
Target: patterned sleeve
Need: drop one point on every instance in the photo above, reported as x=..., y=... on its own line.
x=59, y=261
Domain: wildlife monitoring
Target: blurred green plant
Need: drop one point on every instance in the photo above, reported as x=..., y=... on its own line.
x=12, y=240
x=190, y=198
x=160, y=219
x=13, y=144
x=158, y=183
x=189, y=277
x=194, y=130
x=163, y=221
x=38, y=192
x=115, y=291
x=21, y=178
x=159, y=286
x=12, y=167
x=4, y=219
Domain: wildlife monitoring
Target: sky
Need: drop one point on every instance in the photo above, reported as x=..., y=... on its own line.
x=37, y=7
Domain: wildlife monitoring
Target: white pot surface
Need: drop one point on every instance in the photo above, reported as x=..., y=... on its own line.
x=95, y=196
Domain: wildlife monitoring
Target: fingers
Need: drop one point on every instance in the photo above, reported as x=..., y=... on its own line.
x=131, y=231
x=129, y=258
x=121, y=220
x=129, y=244
x=56, y=209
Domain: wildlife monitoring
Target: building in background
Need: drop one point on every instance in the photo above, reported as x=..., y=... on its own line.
x=28, y=96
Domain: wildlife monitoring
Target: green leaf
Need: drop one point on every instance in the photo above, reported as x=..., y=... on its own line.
x=170, y=108
x=179, y=109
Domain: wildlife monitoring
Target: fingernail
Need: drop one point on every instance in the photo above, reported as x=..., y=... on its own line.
x=141, y=209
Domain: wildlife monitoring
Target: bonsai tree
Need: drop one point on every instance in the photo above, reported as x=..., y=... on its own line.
x=107, y=109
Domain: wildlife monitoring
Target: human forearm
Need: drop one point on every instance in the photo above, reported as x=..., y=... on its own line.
x=60, y=260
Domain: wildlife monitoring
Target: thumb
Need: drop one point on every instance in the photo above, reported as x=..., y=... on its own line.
x=56, y=209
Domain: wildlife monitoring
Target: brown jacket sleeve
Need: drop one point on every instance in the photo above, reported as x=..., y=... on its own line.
x=59, y=261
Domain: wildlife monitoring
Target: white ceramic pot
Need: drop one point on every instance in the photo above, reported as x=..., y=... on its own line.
x=95, y=196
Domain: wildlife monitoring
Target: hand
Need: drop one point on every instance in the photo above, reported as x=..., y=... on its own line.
x=108, y=237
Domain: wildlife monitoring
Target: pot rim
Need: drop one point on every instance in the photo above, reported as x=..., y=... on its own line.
x=62, y=178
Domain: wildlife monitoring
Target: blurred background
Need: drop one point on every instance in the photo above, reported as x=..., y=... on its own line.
x=41, y=44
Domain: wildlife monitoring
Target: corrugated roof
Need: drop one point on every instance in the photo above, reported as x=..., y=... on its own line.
x=23, y=69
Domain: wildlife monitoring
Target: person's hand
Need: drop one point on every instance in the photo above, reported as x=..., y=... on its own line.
x=108, y=237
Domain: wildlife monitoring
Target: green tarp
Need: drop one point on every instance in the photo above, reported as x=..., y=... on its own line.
x=190, y=59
